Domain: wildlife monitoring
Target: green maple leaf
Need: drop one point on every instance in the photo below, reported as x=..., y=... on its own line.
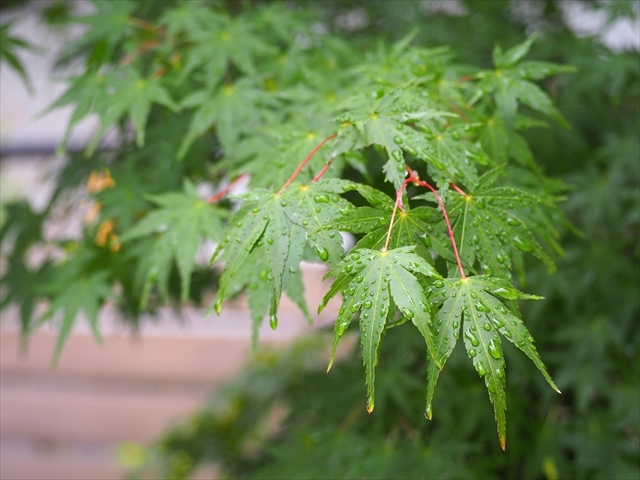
x=218, y=40
x=92, y=93
x=510, y=82
x=275, y=153
x=87, y=294
x=275, y=228
x=471, y=306
x=387, y=121
x=8, y=47
x=490, y=225
x=232, y=109
x=179, y=225
x=373, y=282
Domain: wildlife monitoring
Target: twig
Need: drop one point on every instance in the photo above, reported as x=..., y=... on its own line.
x=225, y=191
x=305, y=161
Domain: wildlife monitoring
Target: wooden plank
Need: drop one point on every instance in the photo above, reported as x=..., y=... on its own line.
x=92, y=416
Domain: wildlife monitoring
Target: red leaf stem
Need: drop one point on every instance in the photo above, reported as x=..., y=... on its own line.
x=458, y=189
x=305, y=161
x=225, y=191
x=413, y=176
x=323, y=171
x=395, y=208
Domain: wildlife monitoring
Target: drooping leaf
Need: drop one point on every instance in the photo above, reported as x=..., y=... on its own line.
x=87, y=296
x=180, y=225
x=471, y=306
x=276, y=227
x=369, y=281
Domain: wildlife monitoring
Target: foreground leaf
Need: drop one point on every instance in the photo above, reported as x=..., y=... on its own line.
x=471, y=305
x=371, y=282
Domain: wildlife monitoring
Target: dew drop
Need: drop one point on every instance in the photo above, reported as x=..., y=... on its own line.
x=494, y=349
x=367, y=304
x=471, y=337
x=321, y=252
x=407, y=313
x=480, y=368
x=348, y=268
x=273, y=322
x=359, y=278
x=321, y=199
x=521, y=245
x=397, y=139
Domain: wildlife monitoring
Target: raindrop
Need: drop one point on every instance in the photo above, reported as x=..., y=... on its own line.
x=270, y=241
x=348, y=268
x=487, y=327
x=513, y=222
x=472, y=352
x=497, y=322
x=407, y=313
x=411, y=150
x=322, y=253
x=481, y=307
x=321, y=199
x=367, y=304
x=355, y=307
x=482, y=370
x=397, y=139
x=273, y=322
x=521, y=245
x=500, y=373
x=359, y=278
x=471, y=337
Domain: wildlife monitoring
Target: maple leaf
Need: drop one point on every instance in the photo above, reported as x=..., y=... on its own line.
x=232, y=109
x=373, y=283
x=509, y=82
x=93, y=93
x=471, y=305
x=490, y=225
x=218, y=40
x=180, y=225
x=275, y=227
x=384, y=119
x=88, y=294
x=271, y=155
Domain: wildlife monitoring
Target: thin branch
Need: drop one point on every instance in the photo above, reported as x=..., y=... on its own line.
x=225, y=191
x=323, y=171
x=305, y=161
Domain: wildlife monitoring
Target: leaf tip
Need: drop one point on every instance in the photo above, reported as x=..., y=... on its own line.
x=428, y=412
x=370, y=404
x=503, y=443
